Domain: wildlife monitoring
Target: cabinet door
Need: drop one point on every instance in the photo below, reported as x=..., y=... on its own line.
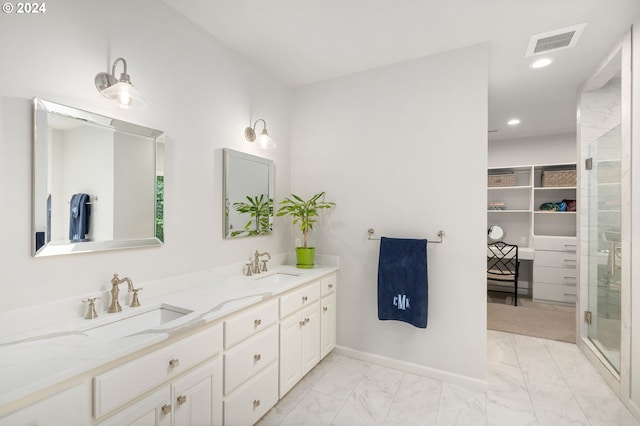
x=310, y=337
x=197, y=397
x=154, y=410
x=290, y=352
x=328, y=325
x=69, y=407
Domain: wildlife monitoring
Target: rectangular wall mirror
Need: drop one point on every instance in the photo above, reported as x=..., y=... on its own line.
x=248, y=194
x=98, y=182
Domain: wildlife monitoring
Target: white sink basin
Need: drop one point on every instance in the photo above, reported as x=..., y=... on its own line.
x=276, y=278
x=137, y=322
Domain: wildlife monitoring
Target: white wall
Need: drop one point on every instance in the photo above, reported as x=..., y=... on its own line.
x=403, y=149
x=198, y=91
x=134, y=175
x=547, y=149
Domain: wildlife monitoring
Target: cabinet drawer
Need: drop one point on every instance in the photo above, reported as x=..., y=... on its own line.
x=246, y=359
x=291, y=302
x=556, y=259
x=327, y=285
x=249, y=322
x=554, y=292
x=253, y=401
x=556, y=244
x=121, y=384
x=550, y=275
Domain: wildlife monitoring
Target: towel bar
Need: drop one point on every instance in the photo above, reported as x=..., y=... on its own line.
x=92, y=200
x=441, y=234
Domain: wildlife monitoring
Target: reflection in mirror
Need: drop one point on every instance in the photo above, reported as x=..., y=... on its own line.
x=98, y=182
x=248, y=194
x=495, y=234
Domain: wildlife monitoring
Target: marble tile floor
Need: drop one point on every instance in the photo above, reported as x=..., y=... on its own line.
x=532, y=381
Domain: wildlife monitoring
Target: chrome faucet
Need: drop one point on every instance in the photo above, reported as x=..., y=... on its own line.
x=256, y=262
x=115, y=290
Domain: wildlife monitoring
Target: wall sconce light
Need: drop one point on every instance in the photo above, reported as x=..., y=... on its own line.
x=119, y=90
x=264, y=139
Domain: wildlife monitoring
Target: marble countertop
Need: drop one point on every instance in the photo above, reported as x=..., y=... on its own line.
x=40, y=355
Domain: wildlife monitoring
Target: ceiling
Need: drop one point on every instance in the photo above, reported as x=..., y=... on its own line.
x=300, y=42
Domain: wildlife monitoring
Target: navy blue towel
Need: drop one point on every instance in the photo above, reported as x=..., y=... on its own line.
x=402, y=281
x=79, y=213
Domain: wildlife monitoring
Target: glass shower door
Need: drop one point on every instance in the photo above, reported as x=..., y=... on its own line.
x=604, y=259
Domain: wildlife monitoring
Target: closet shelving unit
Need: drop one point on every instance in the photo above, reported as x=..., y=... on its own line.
x=552, y=234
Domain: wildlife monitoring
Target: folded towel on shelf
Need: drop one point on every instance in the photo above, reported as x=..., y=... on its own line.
x=403, y=281
x=79, y=212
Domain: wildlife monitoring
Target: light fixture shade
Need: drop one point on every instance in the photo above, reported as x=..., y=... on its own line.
x=125, y=95
x=265, y=141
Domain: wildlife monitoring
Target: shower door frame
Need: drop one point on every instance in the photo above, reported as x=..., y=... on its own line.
x=618, y=382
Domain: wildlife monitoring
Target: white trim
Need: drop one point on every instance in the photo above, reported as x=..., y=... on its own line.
x=408, y=367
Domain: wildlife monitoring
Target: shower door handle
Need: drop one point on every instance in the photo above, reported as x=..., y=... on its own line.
x=612, y=258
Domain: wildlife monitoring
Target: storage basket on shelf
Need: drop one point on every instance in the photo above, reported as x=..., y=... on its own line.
x=558, y=178
x=504, y=179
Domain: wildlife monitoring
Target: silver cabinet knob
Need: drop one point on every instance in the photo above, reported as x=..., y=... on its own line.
x=325, y=308
x=174, y=363
x=257, y=357
x=182, y=399
x=256, y=403
x=166, y=409
x=257, y=322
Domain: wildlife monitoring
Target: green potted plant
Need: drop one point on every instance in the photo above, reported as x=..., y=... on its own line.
x=304, y=214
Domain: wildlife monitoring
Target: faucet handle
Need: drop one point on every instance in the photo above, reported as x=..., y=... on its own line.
x=247, y=269
x=135, y=302
x=91, y=311
x=264, y=266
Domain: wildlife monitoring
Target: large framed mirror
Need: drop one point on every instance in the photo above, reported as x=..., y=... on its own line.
x=98, y=182
x=249, y=187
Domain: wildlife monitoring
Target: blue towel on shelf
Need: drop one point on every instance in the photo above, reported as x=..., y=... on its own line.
x=402, y=281
x=79, y=212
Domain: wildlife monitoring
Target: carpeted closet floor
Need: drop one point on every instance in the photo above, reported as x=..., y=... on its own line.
x=552, y=322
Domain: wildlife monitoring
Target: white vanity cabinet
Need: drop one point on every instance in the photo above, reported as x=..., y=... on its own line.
x=231, y=371
x=153, y=410
x=328, y=315
x=197, y=396
x=554, y=270
x=299, y=334
x=154, y=372
x=251, y=364
x=70, y=407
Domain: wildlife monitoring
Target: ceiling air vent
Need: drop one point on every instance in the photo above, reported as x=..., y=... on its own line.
x=554, y=40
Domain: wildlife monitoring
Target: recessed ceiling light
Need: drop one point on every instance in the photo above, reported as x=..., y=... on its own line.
x=541, y=63
x=513, y=122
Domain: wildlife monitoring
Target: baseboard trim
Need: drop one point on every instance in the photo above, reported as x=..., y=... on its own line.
x=409, y=367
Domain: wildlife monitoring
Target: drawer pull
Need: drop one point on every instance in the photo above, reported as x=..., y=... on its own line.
x=330, y=286
x=304, y=299
x=257, y=357
x=174, y=363
x=166, y=409
x=325, y=308
x=570, y=260
x=569, y=277
x=182, y=399
x=306, y=320
x=257, y=322
x=302, y=322
x=256, y=403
